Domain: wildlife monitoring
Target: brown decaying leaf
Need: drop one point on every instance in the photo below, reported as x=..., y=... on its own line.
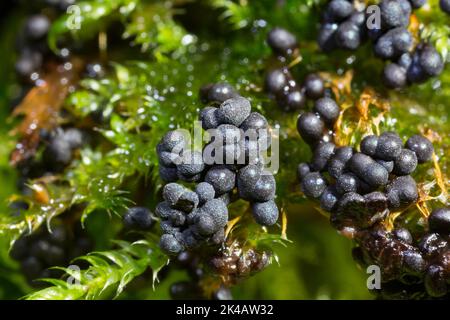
x=40, y=193
x=41, y=107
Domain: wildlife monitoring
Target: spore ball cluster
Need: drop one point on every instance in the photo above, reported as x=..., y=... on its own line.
x=32, y=47
x=282, y=42
x=229, y=167
x=364, y=186
x=346, y=25
x=280, y=83
x=31, y=42
x=180, y=233
x=44, y=249
x=234, y=263
x=139, y=219
x=360, y=188
x=190, y=218
x=412, y=265
x=60, y=146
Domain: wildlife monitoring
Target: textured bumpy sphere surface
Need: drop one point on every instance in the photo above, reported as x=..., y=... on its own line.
x=393, y=15
x=329, y=198
x=302, y=170
x=368, y=170
x=384, y=48
x=348, y=36
x=314, y=86
x=313, y=185
x=221, y=178
x=405, y=163
x=326, y=38
x=294, y=100
x=248, y=176
x=401, y=192
x=338, y=10
x=388, y=165
x=405, y=60
x=206, y=225
x=191, y=163
x=402, y=40
x=173, y=141
x=431, y=61
x=276, y=80
x=322, y=154
x=421, y=146
x=327, y=109
x=338, y=161
x=164, y=211
x=439, y=220
x=205, y=192
x=208, y=117
x=221, y=92
x=415, y=73
x=347, y=182
x=172, y=192
x=394, y=76
x=234, y=111
x=265, y=213
x=369, y=145
x=265, y=188
x=138, y=218
x=281, y=41
x=403, y=234
x=218, y=210
x=310, y=127
x=389, y=146
x=346, y=25
x=358, y=18
x=170, y=244
x=336, y=167
x=254, y=121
